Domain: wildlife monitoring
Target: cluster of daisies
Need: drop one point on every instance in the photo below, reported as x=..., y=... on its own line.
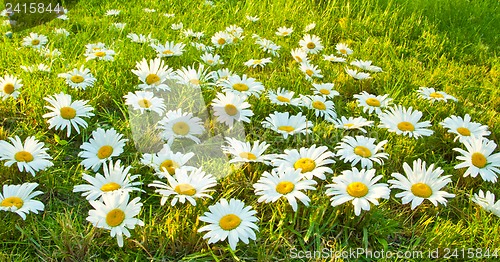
x=291, y=175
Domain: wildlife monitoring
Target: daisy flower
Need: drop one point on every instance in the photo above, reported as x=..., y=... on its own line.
x=117, y=214
x=30, y=157
x=116, y=179
x=212, y=60
x=258, y=62
x=102, y=147
x=186, y=185
x=334, y=59
x=61, y=31
x=112, y=12
x=166, y=161
x=19, y=199
x=244, y=85
x=236, y=32
x=464, y=128
x=405, y=121
x=119, y=26
x=34, y=68
x=35, y=40
x=358, y=186
x=343, y=49
x=169, y=15
x=309, y=27
x=232, y=220
x=372, y=103
x=177, y=124
x=145, y=101
x=357, y=75
x=284, y=31
x=310, y=71
x=361, y=150
x=325, y=89
x=154, y=74
x=312, y=161
x=169, y=49
x=311, y=44
x=194, y=78
x=283, y=97
x=230, y=108
x=202, y=47
x=245, y=152
x=221, y=39
x=140, y=38
x=268, y=46
x=286, y=124
x=352, y=123
x=98, y=51
x=252, y=18
x=67, y=114
x=299, y=55
x=10, y=87
x=176, y=27
x=366, y=65
x=421, y=183
x=149, y=10
x=322, y=107
x=432, y=95
x=487, y=202
x=284, y=182
x=221, y=75
x=79, y=78
x=479, y=159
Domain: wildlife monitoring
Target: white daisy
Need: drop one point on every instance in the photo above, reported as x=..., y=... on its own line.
x=230, y=108
x=117, y=214
x=358, y=186
x=311, y=44
x=334, y=59
x=232, y=220
x=312, y=161
x=343, y=49
x=352, y=123
x=284, y=31
x=366, y=65
x=322, y=107
x=299, y=55
x=145, y=101
x=310, y=70
x=432, y=95
x=10, y=87
x=153, y=75
x=112, y=12
x=325, y=89
x=479, y=159
x=212, y=60
x=19, y=199
x=66, y=113
x=309, y=27
x=464, y=128
x=372, y=103
x=194, y=78
x=202, y=47
x=284, y=182
x=245, y=152
x=236, y=32
x=116, y=179
x=30, y=157
x=36, y=68
x=405, y=121
x=61, y=31
x=98, y=51
x=487, y=202
x=253, y=18
x=119, y=26
x=221, y=75
x=79, y=78
x=178, y=26
x=35, y=40
x=177, y=124
x=268, y=46
x=222, y=39
x=102, y=147
x=169, y=49
x=149, y=10
x=357, y=75
x=140, y=38
x=421, y=183
x=361, y=150
x=186, y=185
x=258, y=62
x=283, y=97
x=244, y=85
x=286, y=124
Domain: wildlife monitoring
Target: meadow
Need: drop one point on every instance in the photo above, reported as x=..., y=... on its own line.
x=451, y=46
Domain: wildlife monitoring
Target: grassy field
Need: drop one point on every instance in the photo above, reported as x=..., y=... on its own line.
x=450, y=45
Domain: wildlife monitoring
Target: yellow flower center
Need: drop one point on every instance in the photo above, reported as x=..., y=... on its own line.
x=311, y=45
x=436, y=95
x=115, y=217
x=256, y=62
x=324, y=91
x=144, y=103
x=67, y=112
x=306, y=164
x=284, y=187
x=12, y=201
x=167, y=52
x=152, y=79
x=283, y=99
x=362, y=151
x=240, y=87
x=479, y=160
x=221, y=41
x=35, y=42
x=357, y=189
x=229, y=222
x=298, y=58
x=348, y=125
x=210, y=61
x=406, y=126
x=8, y=88
x=309, y=72
x=421, y=190
x=100, y=54
x=104, y=152
x=185, y=189
x=343, y=51
x=111, y=186
x=23, y=156
x=77, y=79
x=373, y=102
x=463, y=131
x=231, y=109
x=169, y=165
x=319, y=105
x=248, y=156
x=195, y=81
x=181, y=128
x=287, y=129
x=284, y=33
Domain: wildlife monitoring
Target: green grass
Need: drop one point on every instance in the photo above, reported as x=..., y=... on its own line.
x=450, y=45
